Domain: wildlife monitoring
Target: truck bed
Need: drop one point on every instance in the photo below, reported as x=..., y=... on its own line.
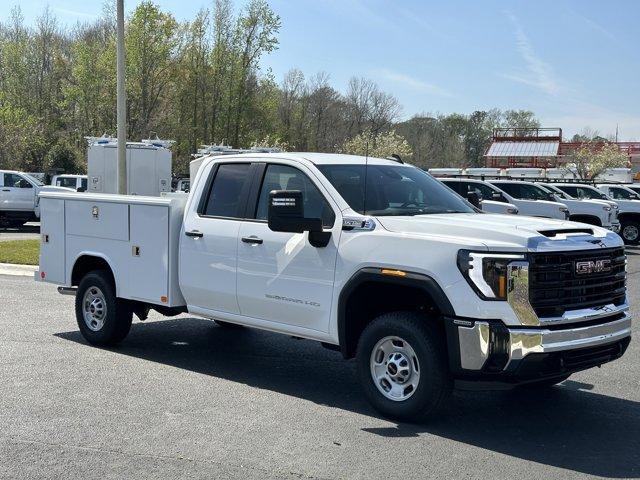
x=137, y=236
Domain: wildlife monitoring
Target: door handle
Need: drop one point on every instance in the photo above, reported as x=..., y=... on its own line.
x=252, y=239
x=6, y=190
x=194, y=233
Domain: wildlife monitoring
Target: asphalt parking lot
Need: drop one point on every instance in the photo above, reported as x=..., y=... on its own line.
x=184, y=398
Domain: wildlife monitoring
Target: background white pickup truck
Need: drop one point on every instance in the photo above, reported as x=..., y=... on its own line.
x=531, y=200
x=403, y=275
x=485, y=192
x=19, y=202
x=628, y=209
x=592, y=212
x=75, y=182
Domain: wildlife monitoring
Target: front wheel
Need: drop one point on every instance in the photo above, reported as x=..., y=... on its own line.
x=630, y=232
x=103, y=318
x=402, y=366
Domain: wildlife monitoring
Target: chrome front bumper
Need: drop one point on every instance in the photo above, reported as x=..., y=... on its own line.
x=481, y=342
x=476, y=341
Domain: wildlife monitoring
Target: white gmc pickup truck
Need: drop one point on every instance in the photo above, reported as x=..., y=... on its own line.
x=371, y=257
x=19, y=202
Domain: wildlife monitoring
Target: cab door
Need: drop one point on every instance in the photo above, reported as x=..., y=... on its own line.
x=209, y=242
x=18, y=193
x=282, y=278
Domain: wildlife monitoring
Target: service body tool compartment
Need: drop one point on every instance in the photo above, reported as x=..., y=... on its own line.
x=149, y=263
x=52, y=241
x=137, y=236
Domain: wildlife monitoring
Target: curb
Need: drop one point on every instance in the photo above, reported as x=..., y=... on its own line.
x=18, y=270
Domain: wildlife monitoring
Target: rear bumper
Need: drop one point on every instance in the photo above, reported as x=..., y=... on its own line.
x=488, y=350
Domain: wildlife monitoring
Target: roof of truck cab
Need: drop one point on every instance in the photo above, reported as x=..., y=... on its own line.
x=314, y=157
x=513, y=182
x=465, y=179
x=557, y=184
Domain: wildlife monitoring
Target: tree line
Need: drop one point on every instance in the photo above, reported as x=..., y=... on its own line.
x=202, y=81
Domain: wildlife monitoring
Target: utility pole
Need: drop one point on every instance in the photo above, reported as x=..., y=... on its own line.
x=121, y=104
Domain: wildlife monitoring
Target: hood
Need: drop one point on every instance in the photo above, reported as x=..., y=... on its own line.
x=558, y=204
x=508, y=232
x=628, y=205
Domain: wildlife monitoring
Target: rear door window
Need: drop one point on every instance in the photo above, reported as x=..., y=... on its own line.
x=229, y=189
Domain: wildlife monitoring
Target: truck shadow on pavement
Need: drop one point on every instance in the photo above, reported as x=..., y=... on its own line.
x=566, y=427
x=22, y=229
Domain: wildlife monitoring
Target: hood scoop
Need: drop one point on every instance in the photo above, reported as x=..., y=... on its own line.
x=564, y=232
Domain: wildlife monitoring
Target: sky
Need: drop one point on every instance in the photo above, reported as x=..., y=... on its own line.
x=575, y=63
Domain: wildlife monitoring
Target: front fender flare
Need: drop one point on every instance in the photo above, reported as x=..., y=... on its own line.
x=373, y=274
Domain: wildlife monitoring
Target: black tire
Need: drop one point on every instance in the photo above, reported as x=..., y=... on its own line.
x=544, y=384
x=228, y=325
x=117, y=312
x=428, y=342
x=630, y=232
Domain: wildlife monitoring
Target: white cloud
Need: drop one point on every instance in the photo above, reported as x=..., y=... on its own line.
x=538, y=74
x=412, y=82
x=593, y=24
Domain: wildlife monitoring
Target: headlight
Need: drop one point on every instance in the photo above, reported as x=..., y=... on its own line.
x=486, y=272
x=606, y=209
x=564, y=209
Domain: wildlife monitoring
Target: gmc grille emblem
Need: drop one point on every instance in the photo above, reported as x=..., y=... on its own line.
x=593, y=266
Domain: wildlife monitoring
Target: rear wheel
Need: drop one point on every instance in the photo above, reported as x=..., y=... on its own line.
x=402, y=366
x=103, y=318
x=630, y=232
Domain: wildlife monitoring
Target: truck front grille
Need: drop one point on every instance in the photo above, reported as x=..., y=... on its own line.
x=555, y=284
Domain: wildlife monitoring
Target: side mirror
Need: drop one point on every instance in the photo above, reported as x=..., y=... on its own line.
x=286, y=214
x=497, y=196
x=474, y=199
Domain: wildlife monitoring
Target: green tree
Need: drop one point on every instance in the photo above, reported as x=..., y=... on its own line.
x=62, y=156
x=152, y=42
x=380, y=145
x=592, y=159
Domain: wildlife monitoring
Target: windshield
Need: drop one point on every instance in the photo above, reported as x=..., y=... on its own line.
x=620, y=193
x=556, y=191
x=524, y=191
x=393, y=190
x=583, y=192
x=33, y=180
